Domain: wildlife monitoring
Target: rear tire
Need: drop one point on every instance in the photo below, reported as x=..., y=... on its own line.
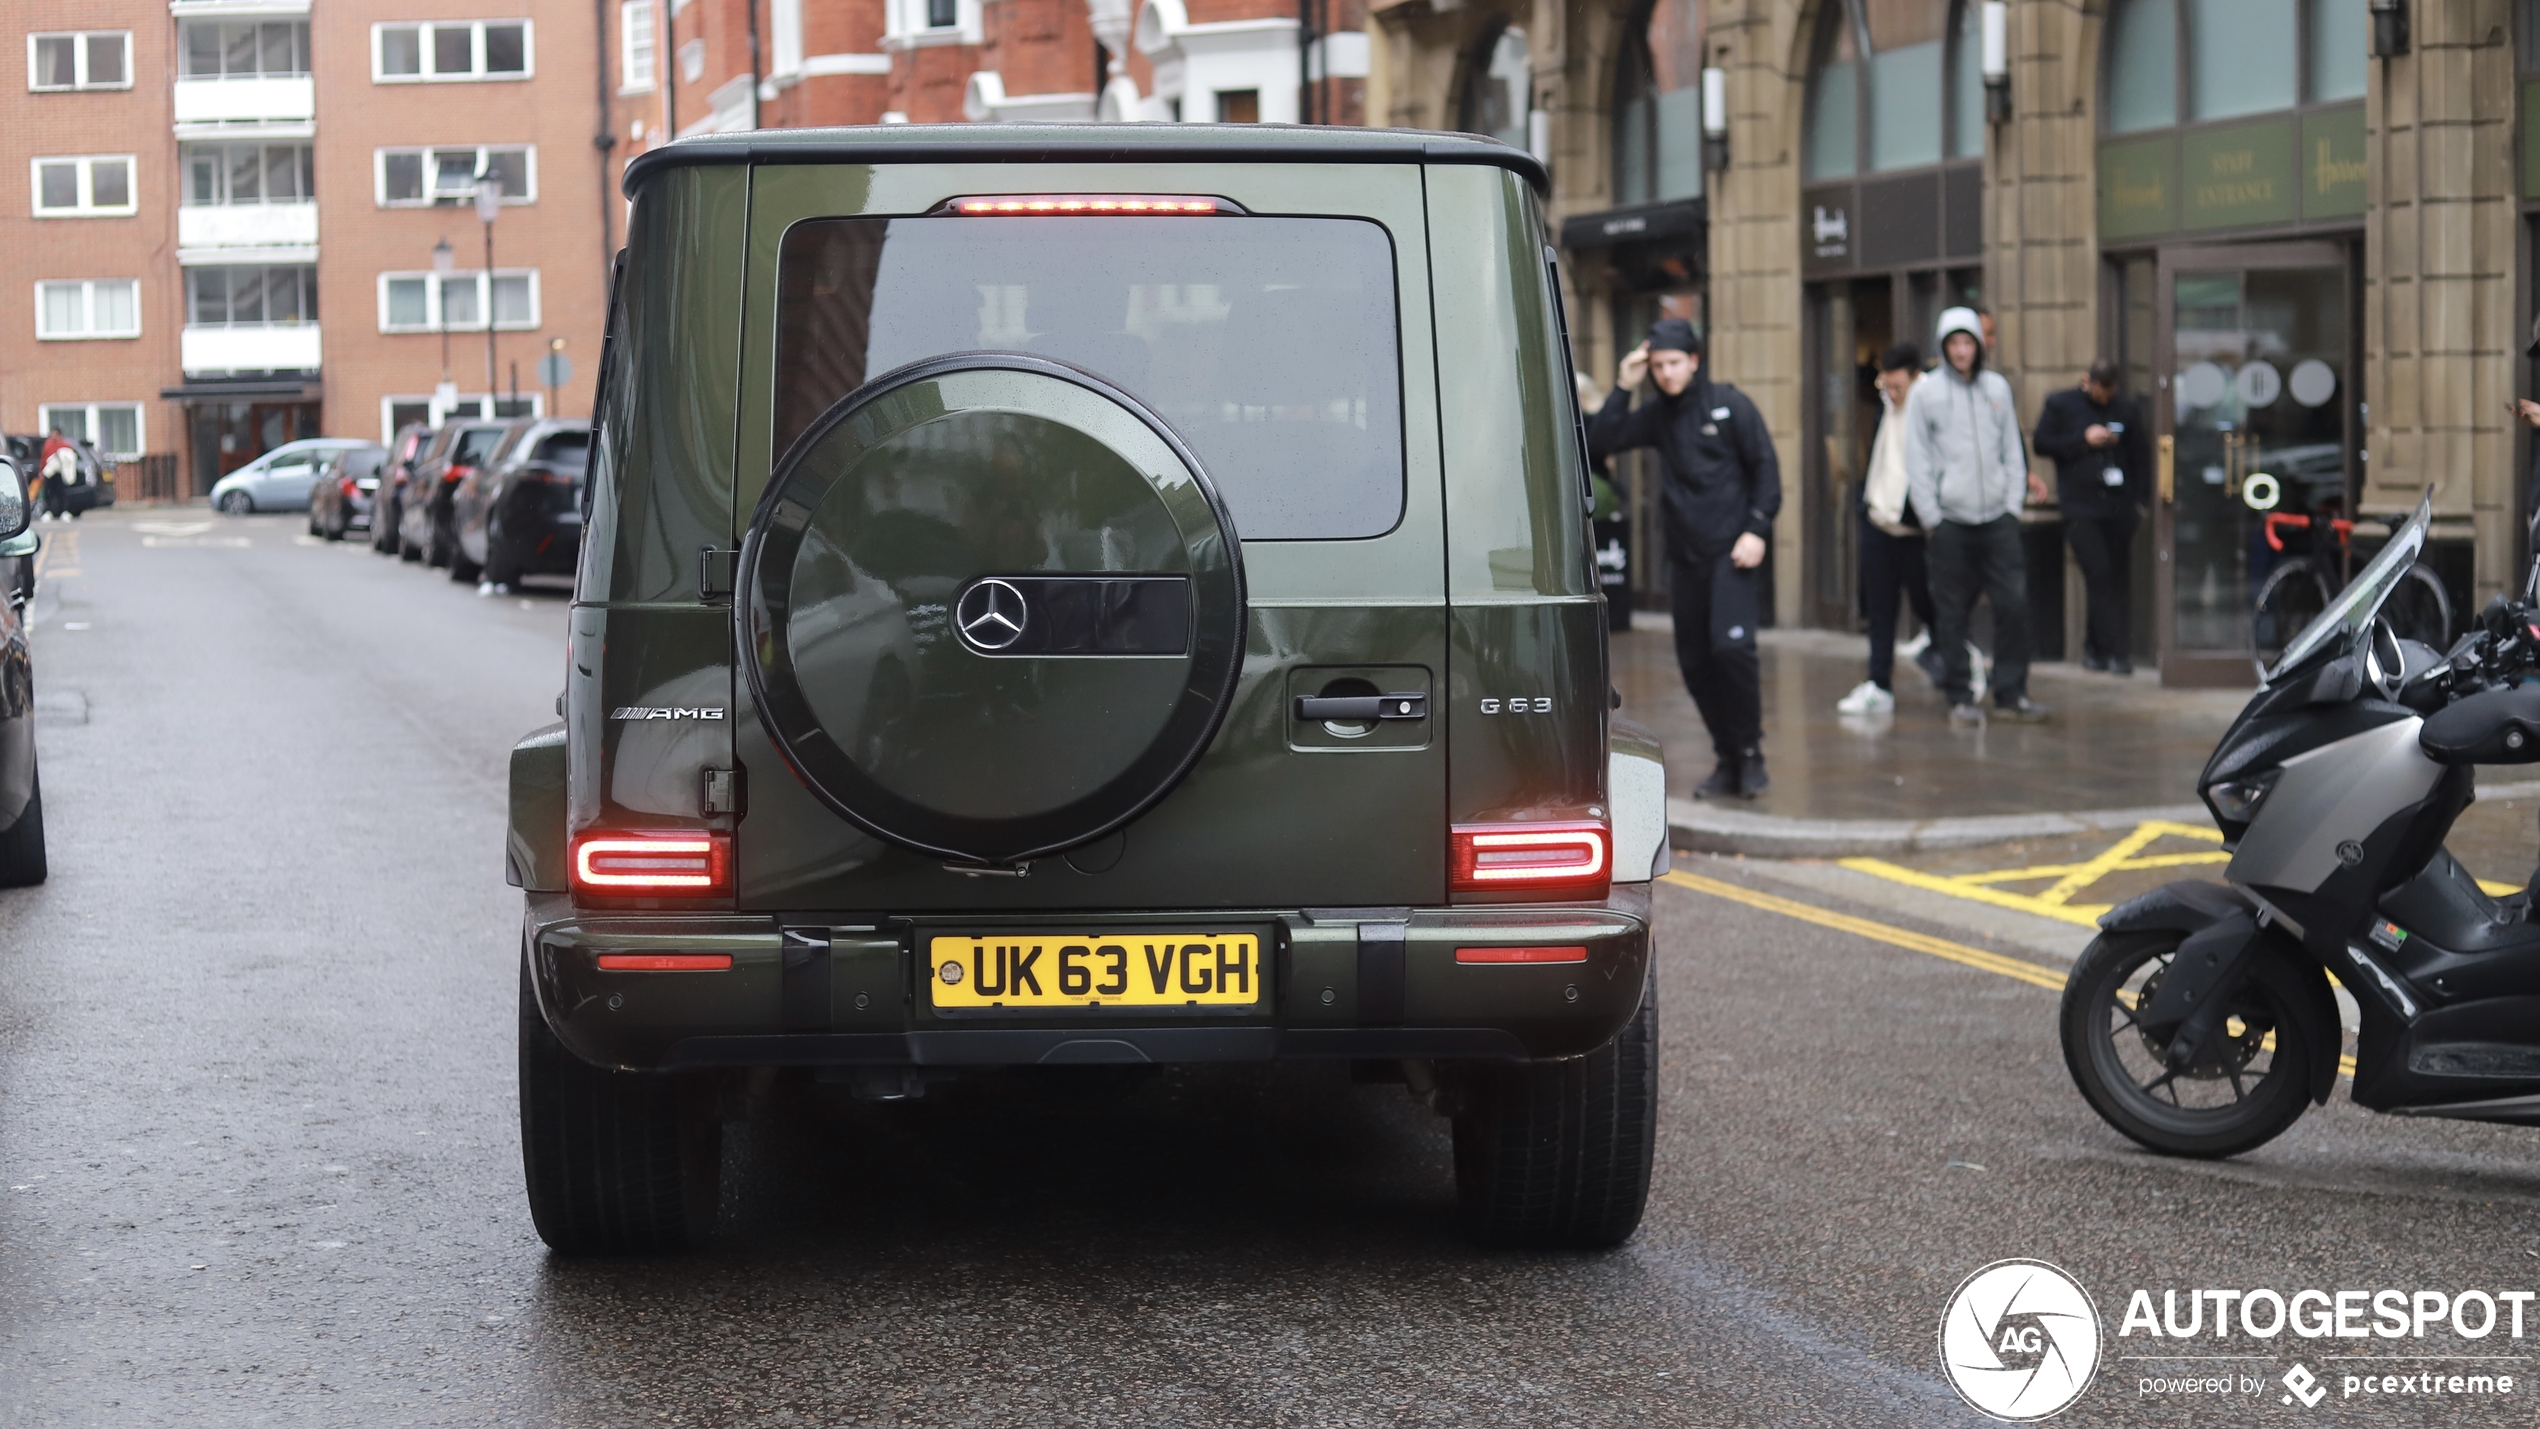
x=501, y=566
x=1556, y=1155
x=383, y=529
x=2101, y=1038
x=617, y=1162
x=22, y=847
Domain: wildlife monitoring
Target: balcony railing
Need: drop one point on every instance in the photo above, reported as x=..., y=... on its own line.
x=225, y=101
x=247, y=225
x=263, y=347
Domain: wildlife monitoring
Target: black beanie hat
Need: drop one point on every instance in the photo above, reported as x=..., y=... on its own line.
x=1674, y=335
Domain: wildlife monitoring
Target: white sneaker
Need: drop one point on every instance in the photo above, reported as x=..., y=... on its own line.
x=1866, y=698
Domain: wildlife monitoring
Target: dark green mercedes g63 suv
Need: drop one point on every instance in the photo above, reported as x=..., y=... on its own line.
x=1098, y=595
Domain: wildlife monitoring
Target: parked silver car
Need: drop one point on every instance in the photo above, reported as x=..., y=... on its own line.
x=280, y=479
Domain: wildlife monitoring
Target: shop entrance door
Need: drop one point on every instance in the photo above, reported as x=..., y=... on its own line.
x=2251, y=416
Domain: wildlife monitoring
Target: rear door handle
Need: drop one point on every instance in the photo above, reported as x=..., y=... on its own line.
x=1402, y=705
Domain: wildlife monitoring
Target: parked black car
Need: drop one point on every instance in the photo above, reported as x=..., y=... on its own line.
x=405, y=452
x=21, y=795
x=520, y=514
x=424, y=532
x=347, y=488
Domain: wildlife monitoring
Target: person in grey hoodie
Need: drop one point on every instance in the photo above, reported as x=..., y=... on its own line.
x=1967, y=475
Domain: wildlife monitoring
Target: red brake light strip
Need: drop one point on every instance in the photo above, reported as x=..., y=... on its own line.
x=1084, y=205
x=665, y=962
x=1521, y=955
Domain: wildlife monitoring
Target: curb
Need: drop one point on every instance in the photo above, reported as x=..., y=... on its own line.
x=1703, y=828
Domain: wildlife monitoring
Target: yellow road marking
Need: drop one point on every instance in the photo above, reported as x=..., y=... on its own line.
x=2027, y=972
x=1960, y=953
x=2055, y=901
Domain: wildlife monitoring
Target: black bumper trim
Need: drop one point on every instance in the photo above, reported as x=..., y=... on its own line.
x=1012, y=1046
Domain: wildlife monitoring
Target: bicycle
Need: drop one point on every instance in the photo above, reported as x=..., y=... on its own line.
x=2302, y=585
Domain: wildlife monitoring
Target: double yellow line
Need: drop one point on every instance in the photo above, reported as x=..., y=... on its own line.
x=2026, y=972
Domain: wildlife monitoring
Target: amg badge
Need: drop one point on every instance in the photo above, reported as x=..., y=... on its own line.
x=666, y=712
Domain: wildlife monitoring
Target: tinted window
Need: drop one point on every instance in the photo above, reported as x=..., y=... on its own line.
x=475, y=445
x=1267, y=343
x=565, y=449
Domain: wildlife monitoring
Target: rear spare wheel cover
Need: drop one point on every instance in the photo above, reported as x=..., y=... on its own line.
x=993, y=607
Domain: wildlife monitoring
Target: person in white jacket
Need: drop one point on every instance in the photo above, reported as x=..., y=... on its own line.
x=1891, y=543
x=1967, y=474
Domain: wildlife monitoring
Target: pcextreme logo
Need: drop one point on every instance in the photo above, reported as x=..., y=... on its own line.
x=2020, y=1340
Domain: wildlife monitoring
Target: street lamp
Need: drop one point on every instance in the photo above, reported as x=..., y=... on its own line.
x=446, y=395
x=2389, y=28
x=1715, y=119
x=489, y=201
x=1997, y=62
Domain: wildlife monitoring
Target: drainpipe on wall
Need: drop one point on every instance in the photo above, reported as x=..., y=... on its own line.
x=754, y=63
x=605, y=139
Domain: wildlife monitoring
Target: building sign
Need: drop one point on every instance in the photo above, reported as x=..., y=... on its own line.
x=2333, y=164
x=2279, y=172
x=2238, y=176
x=2138, y=188
x=1827, y=240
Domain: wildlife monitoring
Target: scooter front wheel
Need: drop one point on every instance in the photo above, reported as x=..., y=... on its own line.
x=2242, y=1091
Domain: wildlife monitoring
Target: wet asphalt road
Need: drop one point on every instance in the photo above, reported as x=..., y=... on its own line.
x=258, y=1160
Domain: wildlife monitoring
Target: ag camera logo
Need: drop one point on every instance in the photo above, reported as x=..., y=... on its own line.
x=2020, y=1340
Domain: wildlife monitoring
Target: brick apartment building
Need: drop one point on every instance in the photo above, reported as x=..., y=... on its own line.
x=249, y=221
x=233, y=209
x=718, y=66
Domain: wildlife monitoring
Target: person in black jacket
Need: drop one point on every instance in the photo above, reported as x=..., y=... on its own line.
x=2103, y=472
x=1720, y=487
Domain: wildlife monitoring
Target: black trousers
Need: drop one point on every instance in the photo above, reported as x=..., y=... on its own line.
x=1972, y=562
x=1892, y=574
x=2103, y=547
x=1727, y=684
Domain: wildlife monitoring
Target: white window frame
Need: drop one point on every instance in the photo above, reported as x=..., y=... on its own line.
x=471, y=405
x=432, y=285
x=638, y=65
x=87, y=206
x=89, y=331
x=79, y=60
x=379, y=174
x=89, y=429
x=476, y=73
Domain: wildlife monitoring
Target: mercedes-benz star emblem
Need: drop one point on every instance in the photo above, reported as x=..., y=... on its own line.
x=991, y=615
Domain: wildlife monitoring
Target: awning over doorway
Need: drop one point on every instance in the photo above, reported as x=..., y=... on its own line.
x=248, y=389
x=1637, y=223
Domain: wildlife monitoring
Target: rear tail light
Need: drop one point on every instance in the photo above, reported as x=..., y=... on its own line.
x=1521, y=955
x=665, y=962
x=1568, y=859
x=1089, y=205
x=345, y=485
x=681, y=865
x=458, y=473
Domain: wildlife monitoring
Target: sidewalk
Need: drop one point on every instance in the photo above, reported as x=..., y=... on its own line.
x=2118, y=751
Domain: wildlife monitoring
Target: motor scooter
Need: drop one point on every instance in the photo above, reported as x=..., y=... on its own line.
x=2202, y=1021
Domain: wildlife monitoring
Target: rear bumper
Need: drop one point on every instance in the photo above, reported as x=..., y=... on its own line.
x=1353, y=984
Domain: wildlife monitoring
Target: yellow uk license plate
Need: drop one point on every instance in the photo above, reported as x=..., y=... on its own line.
x=1066, y=970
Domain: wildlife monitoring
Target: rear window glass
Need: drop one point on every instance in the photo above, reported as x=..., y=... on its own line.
x=1267, y=343
x=565, y=449
x=475, y=444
